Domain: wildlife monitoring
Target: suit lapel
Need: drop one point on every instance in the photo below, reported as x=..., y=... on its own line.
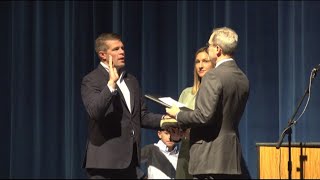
x=130, y=86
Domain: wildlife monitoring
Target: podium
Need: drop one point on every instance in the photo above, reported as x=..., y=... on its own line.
x=273, y=162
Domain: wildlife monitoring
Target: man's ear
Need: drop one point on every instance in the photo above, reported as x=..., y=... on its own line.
x=219, y=51
x=159, y=134
x=102, y=55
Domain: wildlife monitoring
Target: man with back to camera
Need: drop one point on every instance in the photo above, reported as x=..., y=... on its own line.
x=215, y=151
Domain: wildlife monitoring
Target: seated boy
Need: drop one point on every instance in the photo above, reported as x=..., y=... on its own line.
x=161, y=157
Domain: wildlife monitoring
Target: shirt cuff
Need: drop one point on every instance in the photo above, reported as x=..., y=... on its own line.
x=112, y=90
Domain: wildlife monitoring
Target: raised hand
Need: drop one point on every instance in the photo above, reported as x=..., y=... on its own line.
x=113, y=74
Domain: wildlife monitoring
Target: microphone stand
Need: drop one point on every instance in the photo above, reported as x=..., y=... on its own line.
x=288, y=129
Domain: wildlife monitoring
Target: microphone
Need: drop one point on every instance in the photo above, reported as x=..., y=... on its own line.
x=316, y=69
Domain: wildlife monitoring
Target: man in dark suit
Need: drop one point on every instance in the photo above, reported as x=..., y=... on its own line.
x=116, y=111
x=215, y=145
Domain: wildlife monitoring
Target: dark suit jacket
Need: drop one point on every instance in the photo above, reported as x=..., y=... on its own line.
x=112, y=128
x=220, y=102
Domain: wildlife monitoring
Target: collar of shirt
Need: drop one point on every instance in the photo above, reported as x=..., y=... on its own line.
x=163, y=147
x=107, y=68
x=222, y=61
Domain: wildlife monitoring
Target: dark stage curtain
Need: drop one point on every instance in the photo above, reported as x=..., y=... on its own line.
x=48, y=46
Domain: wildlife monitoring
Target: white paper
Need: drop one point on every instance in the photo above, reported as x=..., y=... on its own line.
x=171, y=102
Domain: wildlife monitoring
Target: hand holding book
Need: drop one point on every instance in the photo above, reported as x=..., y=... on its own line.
x=173, y=111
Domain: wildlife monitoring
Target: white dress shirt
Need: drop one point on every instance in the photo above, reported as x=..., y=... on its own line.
x=172, y=156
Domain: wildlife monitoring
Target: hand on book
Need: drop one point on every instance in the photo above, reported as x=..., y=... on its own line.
x=166, y=123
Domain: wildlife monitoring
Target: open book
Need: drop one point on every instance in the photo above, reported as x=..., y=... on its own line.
x=167, y=102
